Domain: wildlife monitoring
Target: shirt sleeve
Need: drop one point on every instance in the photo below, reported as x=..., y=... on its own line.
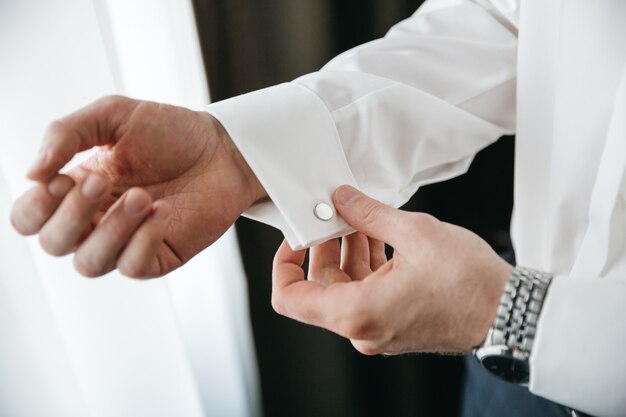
x=386, y=117
x=578, y=355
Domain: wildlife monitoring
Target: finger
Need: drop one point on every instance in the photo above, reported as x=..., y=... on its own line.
x=286, y=270
x=309, y=301
x=93, y=125
x=287, y=273
x=355, y=256
x=35, y=207
x=139, y=258
x=324, y=263
x=99, y=252
x=65, y=227
x=288, y=264
x=89, y=228
x=378, y=257
x=371, y=217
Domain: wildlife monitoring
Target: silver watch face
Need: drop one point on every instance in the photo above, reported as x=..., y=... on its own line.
x=500, y=361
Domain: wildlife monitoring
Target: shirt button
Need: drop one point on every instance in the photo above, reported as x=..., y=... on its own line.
x=323, y=211
x=620, y=205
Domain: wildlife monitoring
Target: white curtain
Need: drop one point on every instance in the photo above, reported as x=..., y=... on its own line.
x=70, y=346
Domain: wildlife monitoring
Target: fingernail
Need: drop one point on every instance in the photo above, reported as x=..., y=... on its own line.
x=161, y=211
x=345, y=194
x=135, y=202
x=59, y=187
x=93, y=187
x=40, y=159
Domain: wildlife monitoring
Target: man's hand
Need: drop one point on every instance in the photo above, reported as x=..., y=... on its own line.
x=439, y=293
x=165, y=183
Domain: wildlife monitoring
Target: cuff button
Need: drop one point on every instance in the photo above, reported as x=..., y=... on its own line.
x=323, y=211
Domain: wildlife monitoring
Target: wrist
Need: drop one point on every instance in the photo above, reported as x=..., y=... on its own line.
x=508, y=346
x=492, y=291
x=253, y=190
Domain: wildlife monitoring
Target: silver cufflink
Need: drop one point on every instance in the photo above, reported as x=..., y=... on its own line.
x=323, y=211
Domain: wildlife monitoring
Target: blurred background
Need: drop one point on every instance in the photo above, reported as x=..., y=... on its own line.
x=204, y=341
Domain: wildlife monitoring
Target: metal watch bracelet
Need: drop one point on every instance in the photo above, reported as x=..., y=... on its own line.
x=510, y=340
x=517, y=315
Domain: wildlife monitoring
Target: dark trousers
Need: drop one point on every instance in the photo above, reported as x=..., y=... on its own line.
x=484, y=395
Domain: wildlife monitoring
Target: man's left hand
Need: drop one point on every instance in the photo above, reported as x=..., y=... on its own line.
x=439, y=293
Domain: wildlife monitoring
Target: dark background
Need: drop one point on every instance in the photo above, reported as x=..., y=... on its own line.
x=306, y=371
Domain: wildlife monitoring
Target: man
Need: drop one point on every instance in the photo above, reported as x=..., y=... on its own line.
x=438, y=88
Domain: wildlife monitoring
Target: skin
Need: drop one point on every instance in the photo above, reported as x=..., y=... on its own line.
x=439, y=293
x=164, y=184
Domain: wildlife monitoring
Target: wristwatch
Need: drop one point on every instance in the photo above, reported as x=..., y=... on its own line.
x=509, y=342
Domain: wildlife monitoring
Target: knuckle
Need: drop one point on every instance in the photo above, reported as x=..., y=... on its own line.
x=117, y=233
x=146, y=238
x=72, y=215
x=51, y=245
x=56, y=128
x=277, y=304
x=26, y=213
x=370, y=212
x=59, y=186
x=111, y=100
x=360, y=327
x=132, y=269
x=368, y=348
x=87, y=268
x=18, y=223
x=112, y=106
x=357, y=269
x=423, y=220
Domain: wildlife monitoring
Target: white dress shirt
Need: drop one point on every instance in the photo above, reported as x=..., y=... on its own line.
x=416, y=106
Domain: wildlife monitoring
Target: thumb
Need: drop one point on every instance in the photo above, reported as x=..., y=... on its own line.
x=370, y=216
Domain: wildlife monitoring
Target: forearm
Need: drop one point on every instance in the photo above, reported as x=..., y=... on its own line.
x=406, y=110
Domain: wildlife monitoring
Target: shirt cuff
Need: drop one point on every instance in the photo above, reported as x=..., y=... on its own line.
x=578, y=357
x=289, y=139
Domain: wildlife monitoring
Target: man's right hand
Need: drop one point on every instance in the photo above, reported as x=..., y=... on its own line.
x=165, y=183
